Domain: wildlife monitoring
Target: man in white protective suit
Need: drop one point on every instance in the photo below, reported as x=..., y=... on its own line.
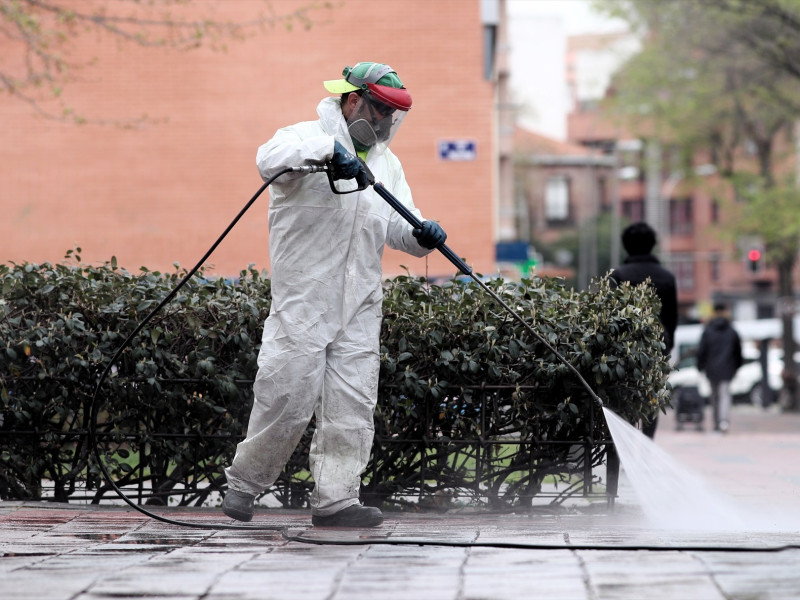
x=320, y=346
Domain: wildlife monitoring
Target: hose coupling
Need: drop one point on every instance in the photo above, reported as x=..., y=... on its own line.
x=310, y=169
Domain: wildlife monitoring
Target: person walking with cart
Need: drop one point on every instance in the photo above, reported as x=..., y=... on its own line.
x=320, y=346
x=719, y=356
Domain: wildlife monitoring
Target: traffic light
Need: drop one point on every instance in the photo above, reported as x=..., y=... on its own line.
x=754, y=259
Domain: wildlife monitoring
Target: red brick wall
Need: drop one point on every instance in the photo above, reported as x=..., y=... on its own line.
x=162, y=192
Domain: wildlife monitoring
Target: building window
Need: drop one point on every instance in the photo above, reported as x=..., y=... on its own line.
x=556, y=200
x=715, y=267
x=680, y=221
x=490, y=17
x=633, y=210
x=682, y=266
x=715, y=211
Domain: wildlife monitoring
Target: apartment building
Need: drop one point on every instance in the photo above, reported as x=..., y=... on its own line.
x=606, y=173
x=563, y=188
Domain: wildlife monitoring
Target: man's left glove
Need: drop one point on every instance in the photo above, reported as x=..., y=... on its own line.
x=430, y=235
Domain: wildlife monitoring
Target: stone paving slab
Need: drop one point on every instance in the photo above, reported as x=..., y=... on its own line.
x=143, y=558
x=72, y=552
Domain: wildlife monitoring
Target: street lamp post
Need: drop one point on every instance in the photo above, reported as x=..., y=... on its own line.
x=664, y=217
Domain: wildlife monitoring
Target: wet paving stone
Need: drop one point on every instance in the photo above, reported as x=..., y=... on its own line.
x=74, y=552
x=74, y=557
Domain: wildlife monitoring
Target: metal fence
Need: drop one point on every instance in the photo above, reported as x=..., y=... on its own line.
x=425, y=462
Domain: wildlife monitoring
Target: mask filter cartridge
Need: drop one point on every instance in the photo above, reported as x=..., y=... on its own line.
x=362, y=132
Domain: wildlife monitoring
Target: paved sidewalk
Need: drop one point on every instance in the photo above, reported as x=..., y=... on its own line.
x=70, y=552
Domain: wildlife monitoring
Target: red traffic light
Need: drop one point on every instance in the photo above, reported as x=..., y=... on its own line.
x=754, y=255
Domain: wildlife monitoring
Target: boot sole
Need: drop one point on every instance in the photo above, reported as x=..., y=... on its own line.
x=238, y=515
x=334, y=521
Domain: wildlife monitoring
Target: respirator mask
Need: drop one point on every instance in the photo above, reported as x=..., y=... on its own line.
x=377, y=117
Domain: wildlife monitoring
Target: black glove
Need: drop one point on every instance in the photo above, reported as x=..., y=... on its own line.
x=346, y=165
x=430, y=235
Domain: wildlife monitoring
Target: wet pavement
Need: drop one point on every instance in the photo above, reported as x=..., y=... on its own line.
x=54, y=551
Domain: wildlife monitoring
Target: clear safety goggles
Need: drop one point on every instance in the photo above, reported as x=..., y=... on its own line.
x=373, y=123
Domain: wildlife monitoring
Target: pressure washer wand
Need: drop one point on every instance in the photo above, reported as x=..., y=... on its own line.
x=412, y=219
x=417, y=224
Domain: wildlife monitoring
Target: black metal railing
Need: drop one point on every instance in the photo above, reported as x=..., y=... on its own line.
x=449, y=451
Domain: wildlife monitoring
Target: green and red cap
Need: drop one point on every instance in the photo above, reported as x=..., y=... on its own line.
x=380, y=79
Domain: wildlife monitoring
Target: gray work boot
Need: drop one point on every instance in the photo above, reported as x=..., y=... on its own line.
x=352, y=516
x=238, y=505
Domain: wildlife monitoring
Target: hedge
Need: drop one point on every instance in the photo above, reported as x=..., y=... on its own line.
x=470, y=404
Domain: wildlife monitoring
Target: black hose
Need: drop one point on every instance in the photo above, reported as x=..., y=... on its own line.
x=94, y=408
x=366, y=541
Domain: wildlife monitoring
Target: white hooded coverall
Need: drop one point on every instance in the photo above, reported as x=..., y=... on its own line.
x=320, y=346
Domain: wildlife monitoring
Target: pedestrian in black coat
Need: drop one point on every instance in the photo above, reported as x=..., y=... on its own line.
x=639, y=239
x=719, y=356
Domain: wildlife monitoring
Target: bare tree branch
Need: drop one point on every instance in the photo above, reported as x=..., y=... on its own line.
x=41, y=35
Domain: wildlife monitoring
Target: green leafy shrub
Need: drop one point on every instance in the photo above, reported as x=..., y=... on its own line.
x=60, y=325
x=490, y=382
x=469, y=402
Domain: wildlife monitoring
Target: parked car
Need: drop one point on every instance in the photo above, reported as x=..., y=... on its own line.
x=746, y=384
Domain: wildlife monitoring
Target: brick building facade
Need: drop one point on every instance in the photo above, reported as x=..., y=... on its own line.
x=160, y=191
